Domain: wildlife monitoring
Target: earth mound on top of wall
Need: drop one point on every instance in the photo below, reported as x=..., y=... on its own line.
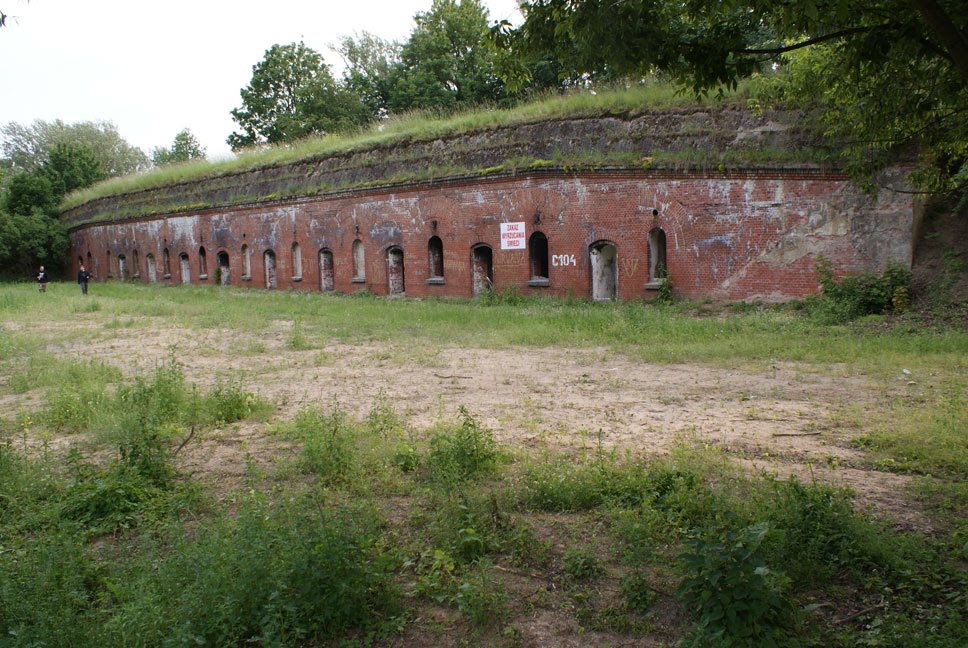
x=702, y=137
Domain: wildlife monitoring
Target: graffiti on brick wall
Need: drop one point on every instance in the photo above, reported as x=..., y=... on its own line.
x=629, y=265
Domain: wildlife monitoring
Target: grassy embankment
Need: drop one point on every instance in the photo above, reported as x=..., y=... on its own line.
x=419, y=126
x=371, y=529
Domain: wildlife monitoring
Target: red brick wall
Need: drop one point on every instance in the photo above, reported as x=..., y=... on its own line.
x=737, y=236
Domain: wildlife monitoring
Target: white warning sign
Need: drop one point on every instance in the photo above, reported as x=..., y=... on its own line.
x=512, y=236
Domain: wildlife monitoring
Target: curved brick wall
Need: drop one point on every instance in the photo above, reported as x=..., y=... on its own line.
x=737, y=235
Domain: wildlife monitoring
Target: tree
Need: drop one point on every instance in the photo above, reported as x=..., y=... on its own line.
x=369, y=62
x=28, y=192
x=292, y=94
x=27, y=147
x=448, y=61
x=27, y=241
x=906, y=59
x=30, y=232
x=71, y=166
x=185, y=147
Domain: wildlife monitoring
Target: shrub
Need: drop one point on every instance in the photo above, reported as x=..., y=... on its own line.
x=852, y=296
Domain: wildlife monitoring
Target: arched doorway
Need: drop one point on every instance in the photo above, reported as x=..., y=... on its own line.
x=395, y=271
x=603, y=258
x=539, y=259
x=223, y=267
x=359, y=261
x=326, y=273
x=186, y=268
x=122, y=267
x=482, y=268
x=435, y=257
x=269, y=261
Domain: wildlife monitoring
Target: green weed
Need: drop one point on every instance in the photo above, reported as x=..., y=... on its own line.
x=583, y=563
x=738, y=599
x=463, y=452
x=480, y=597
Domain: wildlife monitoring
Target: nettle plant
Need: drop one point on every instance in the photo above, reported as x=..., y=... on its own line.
x=739, y=600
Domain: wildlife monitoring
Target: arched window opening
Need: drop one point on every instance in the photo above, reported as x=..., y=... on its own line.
x=396, y=283
x=186, y=269
x=538, y=245
x=122, y=267
x=359, y=262
x=152, y=270
x=435, y=260
x=482, y=268
x=166, y=263
x=246, y=263
x=326, y=272
x=603, y=259
x=269, y=262
x=202, y=264
x=658, y=268
x=296, y=262
x=222, y=271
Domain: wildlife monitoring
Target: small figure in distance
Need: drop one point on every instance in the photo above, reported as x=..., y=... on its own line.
x=42, y=279
x=83, y=276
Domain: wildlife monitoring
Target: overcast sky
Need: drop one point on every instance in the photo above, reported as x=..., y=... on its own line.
x=154, y=68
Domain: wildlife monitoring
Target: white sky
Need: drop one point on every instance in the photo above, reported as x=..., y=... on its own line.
x=154, y=68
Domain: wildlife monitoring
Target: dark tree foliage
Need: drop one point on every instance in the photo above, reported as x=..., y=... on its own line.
x=30, y=233
x=27, y=241
x=292, y=94
x=889, y=74
x=28, y=192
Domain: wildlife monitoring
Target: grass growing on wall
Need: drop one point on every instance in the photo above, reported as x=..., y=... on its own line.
x=402, y=128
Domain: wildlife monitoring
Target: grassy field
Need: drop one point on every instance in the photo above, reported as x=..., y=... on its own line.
x=165, y=480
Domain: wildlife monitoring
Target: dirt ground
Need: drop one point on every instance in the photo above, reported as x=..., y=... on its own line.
x=784, y=418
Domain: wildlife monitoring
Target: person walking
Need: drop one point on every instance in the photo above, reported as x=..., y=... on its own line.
x=42, y=279
x=83, y=276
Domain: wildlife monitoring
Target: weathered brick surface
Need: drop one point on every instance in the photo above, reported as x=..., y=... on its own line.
x=738, y=236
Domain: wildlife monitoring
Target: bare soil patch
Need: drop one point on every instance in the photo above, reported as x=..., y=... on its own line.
x=784, y=417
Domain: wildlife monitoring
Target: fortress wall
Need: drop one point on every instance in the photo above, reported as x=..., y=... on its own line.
x=737, y=235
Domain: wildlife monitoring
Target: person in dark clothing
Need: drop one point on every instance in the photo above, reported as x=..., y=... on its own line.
x=42, y=279
x=83, y=276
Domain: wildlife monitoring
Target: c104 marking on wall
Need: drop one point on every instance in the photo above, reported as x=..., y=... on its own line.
x=561, y=260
